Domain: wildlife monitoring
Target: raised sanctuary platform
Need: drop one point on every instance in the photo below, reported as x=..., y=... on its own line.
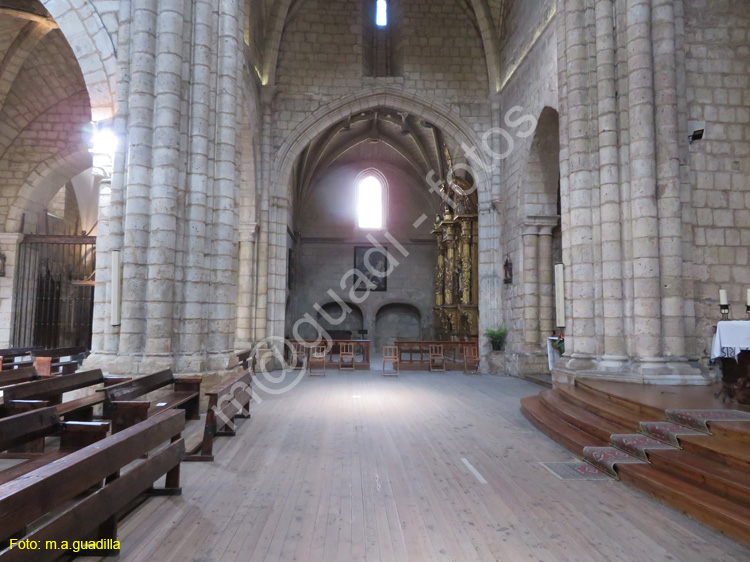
x=677, y=443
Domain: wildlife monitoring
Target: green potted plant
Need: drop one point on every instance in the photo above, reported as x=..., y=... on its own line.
x=497, y=338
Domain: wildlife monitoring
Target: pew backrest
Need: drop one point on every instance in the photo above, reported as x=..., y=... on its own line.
x=28, y=426
x=52, y=387
x=139, y=386
x=16, y=376
x=30, y=497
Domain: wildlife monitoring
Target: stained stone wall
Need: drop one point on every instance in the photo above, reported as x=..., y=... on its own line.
x=718, y=92
x=529, y=82
x=214, y=101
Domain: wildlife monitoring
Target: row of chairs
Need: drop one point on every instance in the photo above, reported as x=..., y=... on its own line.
x=391, y=355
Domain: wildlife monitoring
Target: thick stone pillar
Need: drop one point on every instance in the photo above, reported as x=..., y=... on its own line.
x=615, y=353
x=668, y=180
x=646, y=266
x=162, y=250
x=138, y=199
x=580, y=269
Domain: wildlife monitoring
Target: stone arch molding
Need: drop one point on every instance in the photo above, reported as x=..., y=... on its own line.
x=84, y=31
x=437, y=114
x=44, y=181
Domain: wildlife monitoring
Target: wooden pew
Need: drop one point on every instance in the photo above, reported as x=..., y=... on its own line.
x=9, y=357
x=225, y=403
x=245, y=360
x=16, y=376
x=23, y=436
x=79, y=497
x=49, y=361
x=50, y=391
x=125, y=404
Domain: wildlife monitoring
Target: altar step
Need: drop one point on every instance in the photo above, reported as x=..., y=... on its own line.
x=707, y=478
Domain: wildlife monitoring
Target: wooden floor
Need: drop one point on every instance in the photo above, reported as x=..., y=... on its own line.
x=359, y=467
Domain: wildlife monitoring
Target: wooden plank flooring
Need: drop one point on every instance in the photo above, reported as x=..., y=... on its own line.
x=357, y=467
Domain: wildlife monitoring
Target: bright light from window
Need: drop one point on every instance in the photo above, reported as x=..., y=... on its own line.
x=370, y=203
x=381, y=16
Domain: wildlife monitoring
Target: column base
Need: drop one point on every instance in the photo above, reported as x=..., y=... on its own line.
x=660, y=370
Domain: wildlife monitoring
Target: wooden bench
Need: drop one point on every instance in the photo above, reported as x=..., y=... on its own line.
x=225, y=403
x=49, y=392
x=9, y=358
x=49, y=361
x=246, y=359
x=23, y=436
x=16, y=376
x=124, y=410
x=80, y=497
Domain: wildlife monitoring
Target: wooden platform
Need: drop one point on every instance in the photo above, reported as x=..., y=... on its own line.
x=708, y=477
x=358, y=467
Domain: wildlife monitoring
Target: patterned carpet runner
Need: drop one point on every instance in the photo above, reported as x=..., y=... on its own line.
x=605, y=459
x=667, y=432
x=698, y=419
x=574, y=471
x=636, y=444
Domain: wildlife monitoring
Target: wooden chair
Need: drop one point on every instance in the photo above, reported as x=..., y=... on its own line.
x=318, y=357
x=125, y=403
x=471, y=359
x=81, y=498
x=437, y=358
x=346, y=357
x=225, y=403
x=391, y=355
x=299, y=356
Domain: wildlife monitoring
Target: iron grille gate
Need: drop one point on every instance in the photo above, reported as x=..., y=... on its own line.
x=55, y=291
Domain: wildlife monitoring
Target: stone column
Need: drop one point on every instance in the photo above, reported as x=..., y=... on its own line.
x=580, y=278
x=223, y=301
x=137, y=201
x=9, y=246
x=646, y=265
x=531, y=287
x=668, y=180
x=244, y=336
x=160, y=310
x=101, y=340
x=196, y=270
x=546, y=285
x=615, y=353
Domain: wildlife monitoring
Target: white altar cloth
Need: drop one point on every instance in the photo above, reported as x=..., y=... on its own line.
x=731, y=337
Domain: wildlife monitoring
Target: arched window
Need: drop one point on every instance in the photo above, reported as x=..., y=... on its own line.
x=370, y=201
x=380, y=38
x=381, y=13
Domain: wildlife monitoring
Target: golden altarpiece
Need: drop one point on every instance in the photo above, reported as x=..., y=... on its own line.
x=457, y=270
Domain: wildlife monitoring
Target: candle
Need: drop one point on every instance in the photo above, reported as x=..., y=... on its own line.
x=748, y=297
x=723, y=301
x=560, y=294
